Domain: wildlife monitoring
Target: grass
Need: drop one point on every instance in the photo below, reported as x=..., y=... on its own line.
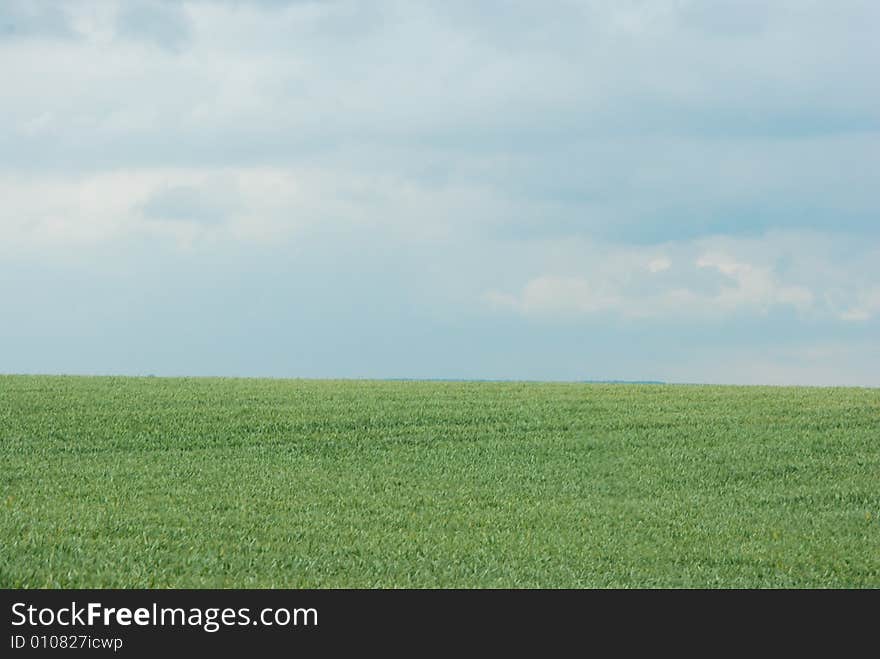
x=152, y=482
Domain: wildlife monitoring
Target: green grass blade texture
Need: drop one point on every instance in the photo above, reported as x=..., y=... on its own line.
x=154, y=482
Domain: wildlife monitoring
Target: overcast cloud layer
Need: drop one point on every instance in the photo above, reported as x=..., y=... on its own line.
x=670, y=190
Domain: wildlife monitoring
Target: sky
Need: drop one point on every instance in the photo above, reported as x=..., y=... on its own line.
x=675, y=190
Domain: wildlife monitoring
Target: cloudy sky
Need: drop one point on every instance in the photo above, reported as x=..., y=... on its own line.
x=678, y=190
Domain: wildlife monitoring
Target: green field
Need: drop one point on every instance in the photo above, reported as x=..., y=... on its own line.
x=152, y=482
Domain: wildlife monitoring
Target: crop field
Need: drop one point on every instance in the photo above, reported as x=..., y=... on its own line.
x=154, y=482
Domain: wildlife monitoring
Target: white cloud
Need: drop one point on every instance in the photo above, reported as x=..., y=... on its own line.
x=867, y=307
x=553, y=295
x=752, y=287
x=612, y=283
x=659, y=264
x=48, y=213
